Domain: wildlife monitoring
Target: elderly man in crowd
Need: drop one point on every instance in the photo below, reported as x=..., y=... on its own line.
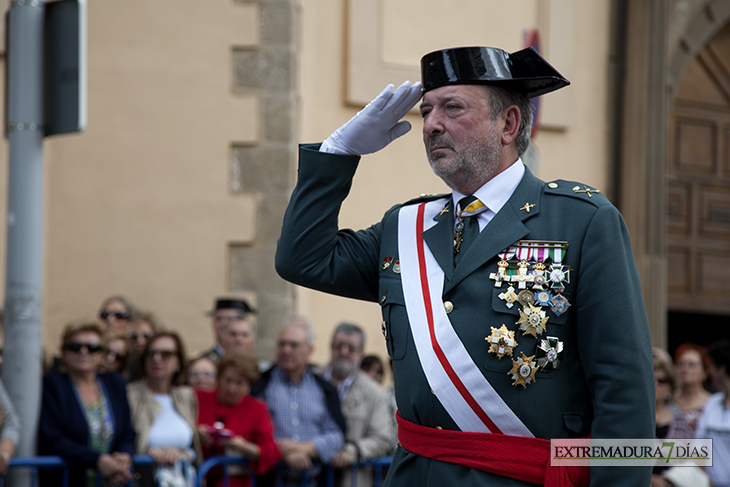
x=364, y=404
x=304, y=407
x=226, y=311
x=242, y=334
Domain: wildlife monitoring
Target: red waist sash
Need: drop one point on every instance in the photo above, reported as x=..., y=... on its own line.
x=516, y=457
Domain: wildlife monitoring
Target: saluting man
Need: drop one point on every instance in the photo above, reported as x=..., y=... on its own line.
x=512, y=308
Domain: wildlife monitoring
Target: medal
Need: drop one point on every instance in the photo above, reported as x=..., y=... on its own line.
x=501, y=341
x=549, y=354
x=523, y=370
x=532, y=321
x=526, y=298
x=501, y=275
x=384, y=329
x=509, y=297
x=539, y=279
x=396, y=267
x=522, y=277
x=557, y=275
x=543, y=298
x=386, y=263
x=559, y=304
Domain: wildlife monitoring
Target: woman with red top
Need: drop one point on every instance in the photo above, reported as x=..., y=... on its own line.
x=231, y=422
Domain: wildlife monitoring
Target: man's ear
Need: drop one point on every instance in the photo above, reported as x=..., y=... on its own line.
x=511, y=118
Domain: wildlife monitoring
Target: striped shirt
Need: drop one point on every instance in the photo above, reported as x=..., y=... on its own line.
x=299, y=413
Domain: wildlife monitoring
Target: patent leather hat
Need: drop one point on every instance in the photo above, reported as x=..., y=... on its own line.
x=524, y=71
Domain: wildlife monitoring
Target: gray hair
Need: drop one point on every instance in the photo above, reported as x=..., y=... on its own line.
x=501, y=98
x=304, y=322
x=350, y=329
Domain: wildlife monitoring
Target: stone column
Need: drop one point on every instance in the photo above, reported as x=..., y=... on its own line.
x=265, y=168
x=642, y=179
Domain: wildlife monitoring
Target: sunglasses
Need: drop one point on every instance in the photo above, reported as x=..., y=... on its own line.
x=134, y=336
x=118, y=357
x=120, y=315
x=76, y=347
x=661, y=380
x=164, y=354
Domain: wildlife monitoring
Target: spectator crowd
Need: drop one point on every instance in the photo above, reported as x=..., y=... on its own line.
x=125, y=385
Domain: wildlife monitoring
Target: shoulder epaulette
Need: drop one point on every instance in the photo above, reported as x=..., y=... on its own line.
x=426, y=197
x=576, y=190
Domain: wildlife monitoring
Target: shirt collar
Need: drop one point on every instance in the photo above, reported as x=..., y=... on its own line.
x=498, y=190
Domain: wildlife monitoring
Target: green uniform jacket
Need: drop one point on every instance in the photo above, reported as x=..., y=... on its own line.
x=604, y=385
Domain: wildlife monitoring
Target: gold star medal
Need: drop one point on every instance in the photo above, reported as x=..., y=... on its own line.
x=501, y=341
x=532, y=320
x=523, y=370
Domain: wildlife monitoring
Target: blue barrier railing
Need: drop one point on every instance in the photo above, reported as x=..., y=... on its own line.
x=54, y=462
x=378, y=464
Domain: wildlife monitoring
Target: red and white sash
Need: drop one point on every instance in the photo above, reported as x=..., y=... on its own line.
x=453, y=376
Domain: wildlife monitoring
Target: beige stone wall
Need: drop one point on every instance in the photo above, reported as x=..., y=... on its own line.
x=381, y=41
x=142, y=202
x=174, y=193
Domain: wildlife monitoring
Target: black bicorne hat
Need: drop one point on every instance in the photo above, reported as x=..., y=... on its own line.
x=233, y=303
x=524, y=71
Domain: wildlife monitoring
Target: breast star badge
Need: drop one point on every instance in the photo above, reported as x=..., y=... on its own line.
x=523, y=370
x=501, y=341
x=549, y=354
x=533, y=320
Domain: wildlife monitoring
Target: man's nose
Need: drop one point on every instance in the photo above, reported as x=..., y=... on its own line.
x=432, y=124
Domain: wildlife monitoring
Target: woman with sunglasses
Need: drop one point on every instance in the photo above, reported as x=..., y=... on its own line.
x=116, y=356
x=117, y=313
x=85, y=414
x=164, y=413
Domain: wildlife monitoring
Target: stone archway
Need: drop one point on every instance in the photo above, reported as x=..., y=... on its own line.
x=698, y=177
x=661, y=38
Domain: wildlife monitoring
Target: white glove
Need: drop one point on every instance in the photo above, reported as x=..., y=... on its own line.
x=376, y=125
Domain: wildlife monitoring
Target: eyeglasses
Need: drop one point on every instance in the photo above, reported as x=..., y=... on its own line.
x=120, y=315
x=76, y=347
x=133, y=336
x=661, y=380
x=164, y=354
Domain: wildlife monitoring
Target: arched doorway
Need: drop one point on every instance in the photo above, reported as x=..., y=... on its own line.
x=698, y=197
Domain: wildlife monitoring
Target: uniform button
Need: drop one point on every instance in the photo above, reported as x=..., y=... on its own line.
x=295, y=421
x=553, y=185
x=439, y=428
x=448, y=306
x=294, y=405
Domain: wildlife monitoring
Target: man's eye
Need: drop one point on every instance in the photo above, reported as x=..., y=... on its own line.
x=424, y=113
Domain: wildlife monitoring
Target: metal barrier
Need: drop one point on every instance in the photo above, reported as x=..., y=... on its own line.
x=42, y=462
x=54, y=462
x=329, y=473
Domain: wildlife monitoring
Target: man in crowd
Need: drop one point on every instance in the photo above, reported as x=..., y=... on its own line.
x=226, y=311
x=364, y=404
x=715, y=420
x=305, y=409
x=512, y=307
x=242, y=334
